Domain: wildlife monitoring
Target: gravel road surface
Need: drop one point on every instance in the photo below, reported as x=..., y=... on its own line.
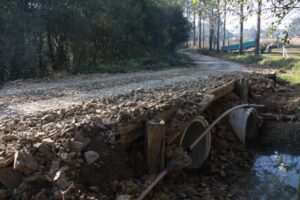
x=31, y=96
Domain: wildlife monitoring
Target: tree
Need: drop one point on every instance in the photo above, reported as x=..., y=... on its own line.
x=211, y=18
x=200, y=17
x=200, y=29
x=204, y=15
x=211, y=14
x=281, y=8
x=218, y=25
x=258, y=30
x=39, y=37
x=294, y=28
x=224, y=26
x=241, y=26
x=194, y=24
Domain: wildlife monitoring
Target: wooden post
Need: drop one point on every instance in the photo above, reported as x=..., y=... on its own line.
x=241, y=89
x=155, y=145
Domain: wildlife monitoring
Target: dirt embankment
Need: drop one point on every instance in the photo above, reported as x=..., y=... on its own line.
x=77, y=148
x=75, y=153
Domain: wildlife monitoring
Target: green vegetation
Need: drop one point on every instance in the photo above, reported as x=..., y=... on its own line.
x=290, y=78
x=247, y=59
x=206, y=52
x=39, y=38
x=275, y=60
x=294, y=29
x=134, y=65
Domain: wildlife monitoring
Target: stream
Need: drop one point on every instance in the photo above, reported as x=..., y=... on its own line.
x=275, y=176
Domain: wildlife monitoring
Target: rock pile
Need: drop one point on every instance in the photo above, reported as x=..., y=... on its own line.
x=220, y=177
x=41, y=155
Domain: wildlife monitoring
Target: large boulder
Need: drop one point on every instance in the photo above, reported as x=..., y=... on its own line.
x=25, y=162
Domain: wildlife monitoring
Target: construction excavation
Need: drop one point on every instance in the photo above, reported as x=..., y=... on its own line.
x=149, y=100
x=186, y=141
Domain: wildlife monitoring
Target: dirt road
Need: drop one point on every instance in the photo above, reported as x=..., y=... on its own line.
x=31, y=96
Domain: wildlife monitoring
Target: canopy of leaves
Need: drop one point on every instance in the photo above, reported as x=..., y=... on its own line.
x=294, y=29
x=40, y=36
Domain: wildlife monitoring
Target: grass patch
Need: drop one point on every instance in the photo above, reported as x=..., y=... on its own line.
x=135, y=65
x=274, y=60
x=206, y=52
x=292, y=79
x=247, y=59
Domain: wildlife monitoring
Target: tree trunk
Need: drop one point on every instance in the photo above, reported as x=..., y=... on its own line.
x=188, y=17
x=40, y=54
x=211, y=30
x=200, y=29
x=61, y=53
x=241, y=26
x=203, y=33
x=218, y=28
x=224, y=28
x=257, y=47
x=211, y=38
x=2, y=76
x=194, y=25
x=50, y=49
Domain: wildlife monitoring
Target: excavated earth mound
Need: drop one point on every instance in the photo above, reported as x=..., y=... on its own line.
x=76, y=153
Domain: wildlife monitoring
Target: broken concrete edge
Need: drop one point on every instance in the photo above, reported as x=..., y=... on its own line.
x=133, y=131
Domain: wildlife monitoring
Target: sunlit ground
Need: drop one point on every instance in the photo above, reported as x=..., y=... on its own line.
x=291, y=65
x=293, y=79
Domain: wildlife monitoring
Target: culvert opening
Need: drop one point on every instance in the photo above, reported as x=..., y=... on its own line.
x=244, y=123
x=252, y=124
x=201, y=152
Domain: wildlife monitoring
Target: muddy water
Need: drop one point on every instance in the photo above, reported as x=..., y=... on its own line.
x=275, y=173
x=275, y=176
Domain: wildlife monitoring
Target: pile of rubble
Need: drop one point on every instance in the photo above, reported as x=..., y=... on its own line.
x=219, y=178
x=54, y=154
x=41, y=156
x=277, y=95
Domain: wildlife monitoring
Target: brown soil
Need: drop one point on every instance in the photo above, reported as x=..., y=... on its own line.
x=225, y=175
x=121, y=169
x=114, y=164
x=124, y=174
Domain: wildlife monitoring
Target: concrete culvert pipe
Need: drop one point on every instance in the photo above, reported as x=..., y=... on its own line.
x=193, y=130
x=244, y=122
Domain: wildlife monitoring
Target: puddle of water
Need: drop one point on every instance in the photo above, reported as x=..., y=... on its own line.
x=275, y=176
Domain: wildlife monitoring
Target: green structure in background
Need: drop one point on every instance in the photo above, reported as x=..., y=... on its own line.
x=235, y=47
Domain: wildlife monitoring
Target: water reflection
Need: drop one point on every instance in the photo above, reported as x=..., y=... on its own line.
x=275, y=177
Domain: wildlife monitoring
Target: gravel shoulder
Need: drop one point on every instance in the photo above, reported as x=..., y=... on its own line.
x=32, y=96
